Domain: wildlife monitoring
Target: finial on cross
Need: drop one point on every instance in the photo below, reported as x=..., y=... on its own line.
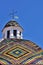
x=12, y=14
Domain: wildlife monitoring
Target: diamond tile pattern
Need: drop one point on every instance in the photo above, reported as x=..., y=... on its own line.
x=14, y=51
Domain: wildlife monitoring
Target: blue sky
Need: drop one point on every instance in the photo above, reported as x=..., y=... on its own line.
x=30, y=13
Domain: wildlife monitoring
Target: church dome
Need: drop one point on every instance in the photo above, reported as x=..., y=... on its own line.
x=14, y=50
x=20, y=51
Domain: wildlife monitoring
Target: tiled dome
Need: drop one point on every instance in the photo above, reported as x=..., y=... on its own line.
x=16, y=50
x=19, y=51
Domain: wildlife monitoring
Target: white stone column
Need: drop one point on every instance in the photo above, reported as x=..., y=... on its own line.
x=11, y=34
x=18, y=36
x=21, y=36
x=5, y=34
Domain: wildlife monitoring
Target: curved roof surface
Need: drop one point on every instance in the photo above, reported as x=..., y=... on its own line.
x=20, y=51
x=12, y=23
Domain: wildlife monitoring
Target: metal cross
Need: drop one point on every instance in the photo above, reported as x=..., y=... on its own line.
x=12, y=14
